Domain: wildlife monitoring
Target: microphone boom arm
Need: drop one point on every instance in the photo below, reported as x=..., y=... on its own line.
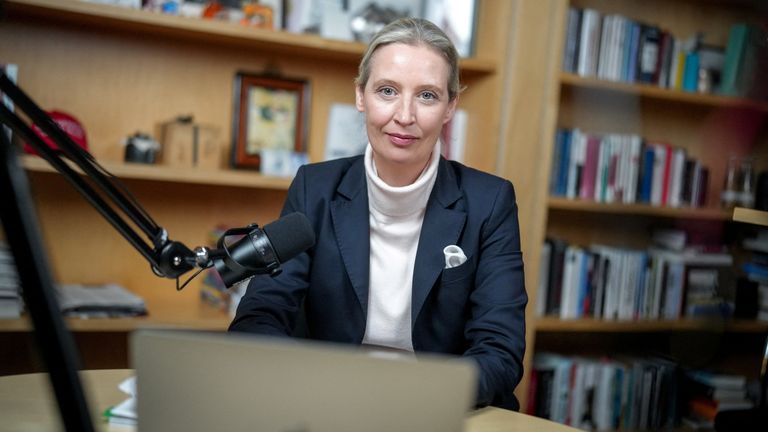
x=168, y=258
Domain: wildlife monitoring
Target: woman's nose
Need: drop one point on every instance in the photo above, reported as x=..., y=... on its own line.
x=405, y=113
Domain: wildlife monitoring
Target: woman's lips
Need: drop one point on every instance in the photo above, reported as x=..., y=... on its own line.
x=401, y=140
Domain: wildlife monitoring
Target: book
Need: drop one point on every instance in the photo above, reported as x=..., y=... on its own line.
x=691, y=72
x=649, y=46
x=603, y=58
x=677, y=168
x=634, y=52
x=590, y=170
x=589, y=42
x=544, y=272
x=573, y=33
x=555, y=280
x=645, y=182
x=664, y=62
x=557, y=160
x=734, y=58
x=658, y=184
x=565, y=157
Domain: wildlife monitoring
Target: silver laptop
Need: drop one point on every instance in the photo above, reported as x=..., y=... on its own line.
x=190, y=381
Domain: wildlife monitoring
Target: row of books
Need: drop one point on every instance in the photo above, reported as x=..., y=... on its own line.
x=629, y=393
x=612, y=283
x=624, y=168
x=617, y=48
x=604, y=394
x=11, y=303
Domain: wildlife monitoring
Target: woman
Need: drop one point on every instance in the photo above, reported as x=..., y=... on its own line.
x=377, y=274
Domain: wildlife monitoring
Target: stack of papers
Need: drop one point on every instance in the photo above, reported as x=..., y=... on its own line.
x=124, y=413
x=11, y=304
x=100, y=301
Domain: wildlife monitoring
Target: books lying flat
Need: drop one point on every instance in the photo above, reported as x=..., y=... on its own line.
x=102, y=301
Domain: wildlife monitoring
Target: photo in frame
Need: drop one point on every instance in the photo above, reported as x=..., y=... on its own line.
x=270, y=123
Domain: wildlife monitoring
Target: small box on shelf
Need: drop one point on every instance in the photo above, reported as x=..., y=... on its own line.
x=186, y=144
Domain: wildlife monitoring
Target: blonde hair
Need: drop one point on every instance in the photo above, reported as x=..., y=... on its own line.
x=413, y=31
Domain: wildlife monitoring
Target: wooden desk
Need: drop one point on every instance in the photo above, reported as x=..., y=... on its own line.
x=27, y=404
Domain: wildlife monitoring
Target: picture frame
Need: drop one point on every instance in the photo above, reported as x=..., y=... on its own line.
x=270, y=117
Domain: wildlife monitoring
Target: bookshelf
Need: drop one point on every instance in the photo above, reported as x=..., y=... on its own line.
x=564, y=204
x=136, y=171
x=709, y=127
x=588, y=325
x=650, y=91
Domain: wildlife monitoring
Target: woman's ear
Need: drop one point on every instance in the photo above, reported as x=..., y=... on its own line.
x=359, y=96
x=451, y=109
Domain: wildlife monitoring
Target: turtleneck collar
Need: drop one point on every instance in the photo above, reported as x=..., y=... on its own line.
x=404, y=200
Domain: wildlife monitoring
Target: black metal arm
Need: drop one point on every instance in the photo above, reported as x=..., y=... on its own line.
x=168, y=258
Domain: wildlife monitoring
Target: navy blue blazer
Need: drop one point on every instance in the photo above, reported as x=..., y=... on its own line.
x=476, y=309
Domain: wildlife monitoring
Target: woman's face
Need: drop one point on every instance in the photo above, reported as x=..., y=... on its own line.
x=406, y=104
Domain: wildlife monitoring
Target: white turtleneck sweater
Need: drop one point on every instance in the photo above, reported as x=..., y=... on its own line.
x=395, y=217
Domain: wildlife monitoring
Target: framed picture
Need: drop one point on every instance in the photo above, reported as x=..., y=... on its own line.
x=270, y=118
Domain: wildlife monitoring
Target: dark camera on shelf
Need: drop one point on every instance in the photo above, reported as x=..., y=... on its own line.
x=141, y=148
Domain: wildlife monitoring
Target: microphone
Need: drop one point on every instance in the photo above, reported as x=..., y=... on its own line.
x=261, y=251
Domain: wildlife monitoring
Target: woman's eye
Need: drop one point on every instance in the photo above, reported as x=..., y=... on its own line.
x=429, y=96
x=387, y=91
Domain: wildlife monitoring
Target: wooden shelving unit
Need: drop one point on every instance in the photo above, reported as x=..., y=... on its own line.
x=709, y=127
x=161, y=316
x=170, y=26
x=556, y=325
x=637, y=209
x=662, y=94
x=176, y=175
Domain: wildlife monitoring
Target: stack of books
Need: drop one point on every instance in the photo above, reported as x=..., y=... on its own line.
x=708, y=393
x=99, y=301
x=124, y=413
x=11, y=304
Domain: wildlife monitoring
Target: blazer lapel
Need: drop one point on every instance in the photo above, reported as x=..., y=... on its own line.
x=349, y=212
x=442, y=226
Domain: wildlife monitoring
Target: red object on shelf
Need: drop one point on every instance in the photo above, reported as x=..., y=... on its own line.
x=69, y=124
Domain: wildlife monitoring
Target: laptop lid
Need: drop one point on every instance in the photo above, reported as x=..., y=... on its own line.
x=189, y=381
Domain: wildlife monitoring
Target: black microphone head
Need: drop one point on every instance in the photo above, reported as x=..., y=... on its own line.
x=290, y=235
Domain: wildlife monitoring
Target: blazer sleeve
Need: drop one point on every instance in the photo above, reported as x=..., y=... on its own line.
x=496, y=327
x=272, y=305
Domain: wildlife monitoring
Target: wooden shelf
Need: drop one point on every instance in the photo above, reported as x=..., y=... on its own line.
x=203, y=318
x=752, y=216
x=556, y=325
x=637, y=209
x=206, y=31
x=177, y=175
x=654, y=92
